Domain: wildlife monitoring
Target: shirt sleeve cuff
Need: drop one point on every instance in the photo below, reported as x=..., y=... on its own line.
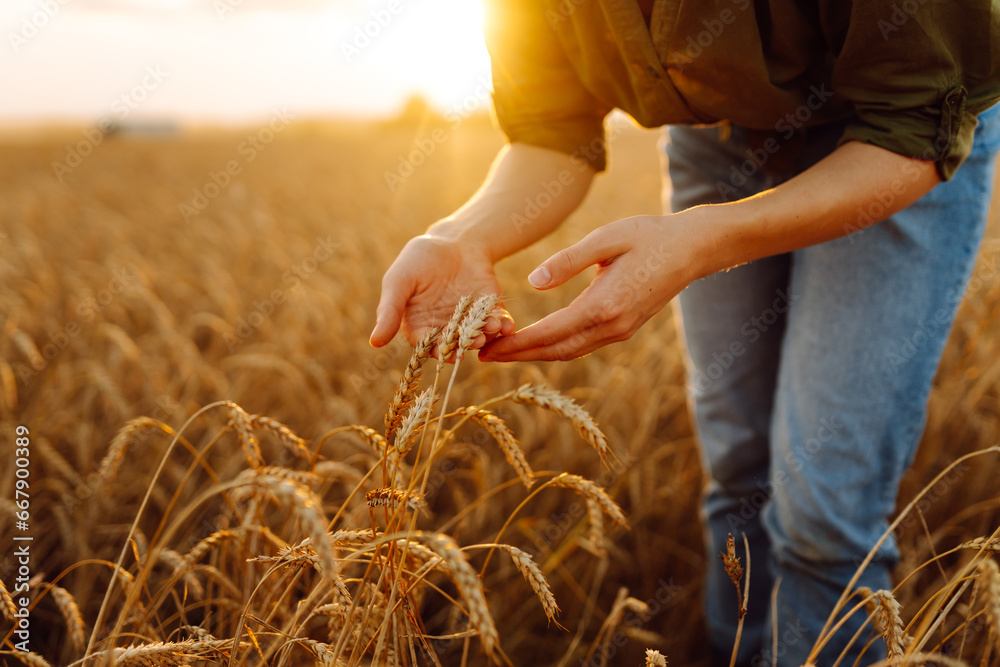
x=582, y=138
x=942, y=135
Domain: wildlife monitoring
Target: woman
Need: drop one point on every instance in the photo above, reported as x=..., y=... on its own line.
x=848, y=178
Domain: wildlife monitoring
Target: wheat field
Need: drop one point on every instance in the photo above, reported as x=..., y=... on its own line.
x=227, y=327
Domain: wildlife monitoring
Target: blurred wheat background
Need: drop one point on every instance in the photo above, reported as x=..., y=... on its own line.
x=114, y=306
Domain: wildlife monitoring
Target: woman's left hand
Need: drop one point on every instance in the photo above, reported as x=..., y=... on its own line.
x=642, y=263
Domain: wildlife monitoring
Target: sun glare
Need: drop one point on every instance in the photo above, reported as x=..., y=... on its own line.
x=438, y=52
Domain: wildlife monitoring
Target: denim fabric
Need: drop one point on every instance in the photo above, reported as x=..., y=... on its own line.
x=809, y=375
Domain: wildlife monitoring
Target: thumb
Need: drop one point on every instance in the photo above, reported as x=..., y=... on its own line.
x=389, y=314
x=595, y=248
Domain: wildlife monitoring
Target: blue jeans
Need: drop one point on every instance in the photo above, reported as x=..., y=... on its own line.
x=809, y=375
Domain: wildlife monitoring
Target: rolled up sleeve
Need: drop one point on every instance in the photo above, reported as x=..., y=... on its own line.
x=538, y=98
x=918, y=72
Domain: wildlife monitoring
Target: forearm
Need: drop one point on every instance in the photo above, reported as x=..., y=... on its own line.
x=855, y=186
x=527, y=194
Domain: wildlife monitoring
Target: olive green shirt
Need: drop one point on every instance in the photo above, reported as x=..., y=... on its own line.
x=907, y=75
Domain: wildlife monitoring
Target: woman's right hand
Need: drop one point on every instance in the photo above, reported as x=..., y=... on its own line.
x=421, y=288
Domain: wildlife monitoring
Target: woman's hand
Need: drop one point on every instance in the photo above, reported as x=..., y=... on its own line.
x=642, y=263
x=421, y=288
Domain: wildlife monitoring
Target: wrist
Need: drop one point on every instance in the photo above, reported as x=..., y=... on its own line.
x=462, y=235
x=721, y=236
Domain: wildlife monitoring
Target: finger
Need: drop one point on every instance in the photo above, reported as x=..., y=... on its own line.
x=506, y=324
x=601, y=245
x=391, y=305
x=491, y=325
x=586, y=312
x=578, y=345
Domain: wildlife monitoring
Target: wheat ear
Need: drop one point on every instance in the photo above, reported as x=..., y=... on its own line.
x=392, y=498
x=563, y=405
x=414, y=422
x=469, y=587
x=598, y=502
x=885, y=610
x=989, y=581
x=7, y=606
x=655, y=659
x=529, y=569
x=509, y=445
x=28, y=658
x=239, y=420
x=472, y=324
x=286, y=436
x=449, y=337
x=71, y=614
x=112, y=460
x=409, y=383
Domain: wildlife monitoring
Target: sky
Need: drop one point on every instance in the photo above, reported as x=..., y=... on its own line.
x=235, y=61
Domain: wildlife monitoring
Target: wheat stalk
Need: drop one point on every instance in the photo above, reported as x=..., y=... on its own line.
x=240, y=421
x=655, y=659
x=509, y=445
x=449, y=337
x=469, y=587
x=414, y=422
x=885, y=613
x=71, y=615
x=28, y=658
x=562, y=405
x=598, y=503
x=196, y=552
x=392, y=498
x=529, y=569
x=293, y=443
x=112, y=460
x=982, y=543
x=7, y=606
x=988, y=578
x=472, y=324
x=409, y=383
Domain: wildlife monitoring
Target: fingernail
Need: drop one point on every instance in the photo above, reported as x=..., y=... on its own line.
x=540, y=277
